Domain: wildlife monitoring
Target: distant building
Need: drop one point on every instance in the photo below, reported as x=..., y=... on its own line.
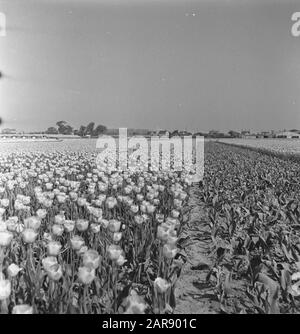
x=247, y=134
x=164, y=133
x=234, y=134
x=9, y=131
x=111, y=132
x=178, y=133
x=287, y=135
x=295, y=130
x=214, y=134
x=138, y=132
x=199, y=134
x=266, y=134
x=130, y=132
x=184, y=133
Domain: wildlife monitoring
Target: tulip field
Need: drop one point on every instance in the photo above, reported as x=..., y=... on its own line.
x=76, y=238
x=276, y=145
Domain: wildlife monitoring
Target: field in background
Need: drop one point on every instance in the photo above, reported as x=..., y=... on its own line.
x=286, y=146
x=71, y=145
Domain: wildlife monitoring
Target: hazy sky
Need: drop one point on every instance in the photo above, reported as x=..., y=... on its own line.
x=169, y=64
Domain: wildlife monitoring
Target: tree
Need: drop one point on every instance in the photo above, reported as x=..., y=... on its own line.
x=214, y=134
x=100, y=129
x=198, y=134
x=234, y=134
x=81, y=131
x=175, y=133
x=67, y=130
x=89, y=129
x=64, y=128
x=51, y=131
x=61, y=125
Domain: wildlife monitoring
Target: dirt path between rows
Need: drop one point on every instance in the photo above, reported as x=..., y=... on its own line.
x=193, y=294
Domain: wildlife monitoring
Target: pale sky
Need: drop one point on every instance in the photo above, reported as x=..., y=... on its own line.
x=195, y=65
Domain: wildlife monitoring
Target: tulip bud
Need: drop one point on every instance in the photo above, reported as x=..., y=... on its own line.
x=55, y=272
x=5, y=238
x=82, y=225
x=103, y=222
x=169, y=251
x=134, y=208
x=135, y=304
x=86, y=275
x=150, y=208
x=13, y=270
x=82, y=250
x=48, y=262
x=29, y=235
x=41, y=213
x=77, y=242
x=32, y=223
x=22, y=309
x=95, y=228
x=69, y=226
x=59, y=219
x=114, y=252
x=81, y=201
x=114, y=225
x=121, y=260
x=5, y=202
x=53, y=248
x=175, y=213
x=117, y=236
x=57, y=230
x=161, y=285
x=138, y=220
x=91, y=258
x=5, y=288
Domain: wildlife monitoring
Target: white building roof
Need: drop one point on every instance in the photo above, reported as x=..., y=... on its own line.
x=288, y=134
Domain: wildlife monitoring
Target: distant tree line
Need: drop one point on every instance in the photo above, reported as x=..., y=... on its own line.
x=210, y=134
x=90, y=130
x=63, y=128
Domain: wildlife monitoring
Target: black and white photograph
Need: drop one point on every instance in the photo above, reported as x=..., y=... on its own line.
x=149, y=159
